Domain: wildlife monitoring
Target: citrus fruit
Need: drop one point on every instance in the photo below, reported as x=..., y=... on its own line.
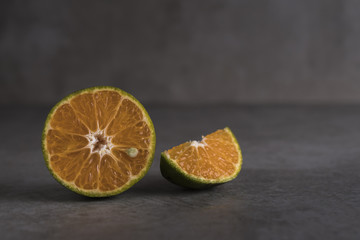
x=214, y=160
x=98, y=141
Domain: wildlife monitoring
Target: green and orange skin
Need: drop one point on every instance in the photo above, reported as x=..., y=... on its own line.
x=96, y=194
x=173, y=173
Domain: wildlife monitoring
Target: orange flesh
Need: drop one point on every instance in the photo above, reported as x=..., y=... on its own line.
x=88, y=138
x=216, y=156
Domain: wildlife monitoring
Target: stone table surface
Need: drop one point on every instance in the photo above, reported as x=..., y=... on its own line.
x=300, y=180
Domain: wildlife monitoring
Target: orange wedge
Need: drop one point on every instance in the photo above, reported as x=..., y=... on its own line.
x=199, y=164
x=99, y=141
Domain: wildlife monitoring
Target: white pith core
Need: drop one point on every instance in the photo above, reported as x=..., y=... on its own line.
x=100, y=143
x=197, y=144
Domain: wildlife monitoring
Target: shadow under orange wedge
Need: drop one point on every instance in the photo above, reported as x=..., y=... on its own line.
x=214, y=160
x=99, y=141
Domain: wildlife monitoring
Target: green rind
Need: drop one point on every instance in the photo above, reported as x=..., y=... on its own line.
x=94, y=193
x=175, y=175
x=172, y=172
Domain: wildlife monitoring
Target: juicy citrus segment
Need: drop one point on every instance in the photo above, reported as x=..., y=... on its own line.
x=107, y=104
x=134, y=136
x=111, y=176
x=88, y=176
x=68, y=165
x=188, y=161
x=99, y=141
x=61, y=142
x=177, y=151
x=127, y=115
x=133, y=164
x=84, y=108
x=214, y=159
x=65, y=120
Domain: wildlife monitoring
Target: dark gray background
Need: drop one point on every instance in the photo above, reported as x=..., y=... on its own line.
x=283, y=75
x=240, y=51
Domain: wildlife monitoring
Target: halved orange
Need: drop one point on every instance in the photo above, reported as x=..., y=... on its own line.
x=99, y=141
x=199, y=164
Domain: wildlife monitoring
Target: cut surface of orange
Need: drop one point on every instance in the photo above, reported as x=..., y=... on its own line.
x=98, y=141
x=196, y=164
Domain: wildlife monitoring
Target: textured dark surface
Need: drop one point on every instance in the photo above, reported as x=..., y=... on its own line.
x=300, y=180
x=241, y=50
